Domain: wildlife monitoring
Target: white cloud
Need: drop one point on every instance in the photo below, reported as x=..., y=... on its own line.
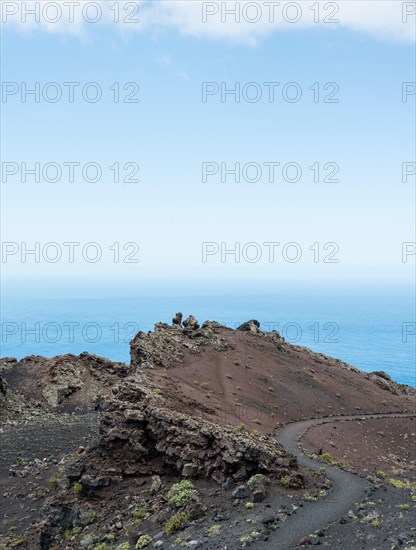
x=252, y=20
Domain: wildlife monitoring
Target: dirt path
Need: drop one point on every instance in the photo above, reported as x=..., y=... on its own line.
x=347, y=488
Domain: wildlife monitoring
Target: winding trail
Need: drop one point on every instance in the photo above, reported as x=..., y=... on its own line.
x=347, y=488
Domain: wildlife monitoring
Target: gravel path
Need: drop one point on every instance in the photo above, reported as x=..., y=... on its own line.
x=347, y=488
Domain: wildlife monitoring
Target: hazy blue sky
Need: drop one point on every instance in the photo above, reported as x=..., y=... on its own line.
x=170, y=132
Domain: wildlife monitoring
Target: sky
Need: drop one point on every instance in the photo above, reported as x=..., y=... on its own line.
x=148, y=165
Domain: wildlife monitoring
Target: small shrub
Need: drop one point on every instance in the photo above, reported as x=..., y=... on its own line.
x=157, y=390
x=249, y=505
x=176, y=522
x=90, y=518
x=397, y=484
x=15, y=542
x=53, y=483
x=382, y=474
x=256, y=420
x=285, y=481
x=229, y=376
x=204, y=385
x=236, y=362
x=181, y=493
x=255, y=433
x=123, y=546
x=327, y=457
x=143, y=541
x=240, y=427
x=372, y=518
x=338, y=394
x=102, y=546
x=141, y=512
x=77, y=488
x=250, y=537
x=86, y=541
x=322, y=471
x=214, y=530
x=404, y=506
x=255, y=479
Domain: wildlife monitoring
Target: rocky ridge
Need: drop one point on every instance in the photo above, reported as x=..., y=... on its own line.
x=142, y=433
x=161, y=419
x=67, y=382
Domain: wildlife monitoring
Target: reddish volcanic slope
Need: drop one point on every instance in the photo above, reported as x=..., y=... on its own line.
x=255, y=378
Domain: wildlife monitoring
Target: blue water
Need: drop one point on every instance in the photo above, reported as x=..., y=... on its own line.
x=365, y=329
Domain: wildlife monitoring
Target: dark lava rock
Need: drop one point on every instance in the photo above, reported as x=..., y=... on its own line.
x=404, y=538
x=163, y=438
x=259, y=494
x=90, y=482
x=191, y=323
x=2, y=386
x=239, y=492
x=63, y=515
x=177, y=320
x=165, y=346
x=250, y=326
x=381, y=374
x=189, y=470
x=268, y=518
x=74, y=472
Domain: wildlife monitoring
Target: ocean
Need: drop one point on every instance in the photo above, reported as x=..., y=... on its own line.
x=371, y=330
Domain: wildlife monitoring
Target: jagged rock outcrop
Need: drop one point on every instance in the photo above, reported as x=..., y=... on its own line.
x=64, y=382
x=166, y=345
x=164, y=412
x=3, y=399
x=384, y=381
x=86, y=374
x=250, y=326
x=177, y=320
x=142, y=433
x=7, y=363
x=191, y=323
x=2, y=388
x=13, y=405
x=146, y=429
